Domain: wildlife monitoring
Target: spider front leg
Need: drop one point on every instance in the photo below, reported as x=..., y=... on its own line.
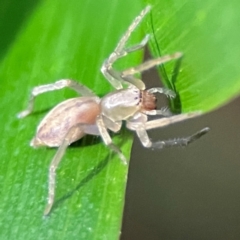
x=114, y=76
x=141, y=128
x=146, y=142
x=63, y=83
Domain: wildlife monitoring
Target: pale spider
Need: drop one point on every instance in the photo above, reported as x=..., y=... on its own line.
x=73, y=118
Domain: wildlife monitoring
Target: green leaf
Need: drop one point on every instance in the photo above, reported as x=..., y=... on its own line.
x=50, y=41
x=208, y=35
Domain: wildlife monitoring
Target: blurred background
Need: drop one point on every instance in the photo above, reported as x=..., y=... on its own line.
x=187, y=193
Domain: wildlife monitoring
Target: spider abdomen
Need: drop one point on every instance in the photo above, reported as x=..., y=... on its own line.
x=53, y=128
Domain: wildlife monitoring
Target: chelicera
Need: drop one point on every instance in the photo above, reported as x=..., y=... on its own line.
x=89, y=114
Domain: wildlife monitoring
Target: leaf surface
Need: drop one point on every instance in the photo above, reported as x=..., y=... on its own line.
x=208, y=35
x=56, y=40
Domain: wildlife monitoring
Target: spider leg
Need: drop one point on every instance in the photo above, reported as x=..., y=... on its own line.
x=52, y=175
x=127, y=75
x=113, y=76
x=150, y=63
x=114, y=126
x=136, y=47
x=63, y=83
x=146, y=142
x=164, y=111
x=107, y=139
x=140, y=124
x=130, y=29
x=162, y=122
x=55, y=162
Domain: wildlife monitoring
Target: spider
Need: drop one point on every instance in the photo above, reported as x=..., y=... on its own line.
x=89, y=114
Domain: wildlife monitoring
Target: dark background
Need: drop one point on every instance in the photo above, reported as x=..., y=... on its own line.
x=187, y=193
